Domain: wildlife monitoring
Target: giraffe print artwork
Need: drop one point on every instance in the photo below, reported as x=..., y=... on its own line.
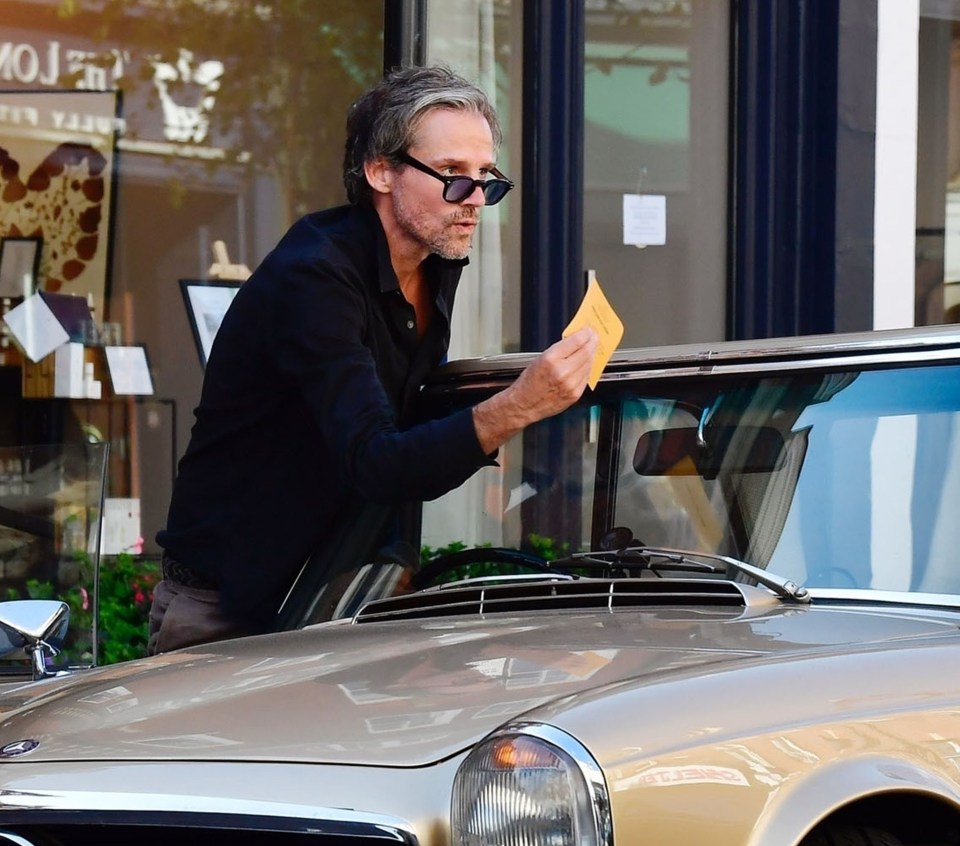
x=59, y=190
x=60, y=201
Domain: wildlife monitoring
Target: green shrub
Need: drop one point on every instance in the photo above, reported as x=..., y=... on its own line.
x=125, y=592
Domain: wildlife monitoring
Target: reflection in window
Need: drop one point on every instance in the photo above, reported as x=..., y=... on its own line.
x=833, y=480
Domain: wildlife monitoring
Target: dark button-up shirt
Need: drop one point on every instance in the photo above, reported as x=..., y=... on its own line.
x=305, y=403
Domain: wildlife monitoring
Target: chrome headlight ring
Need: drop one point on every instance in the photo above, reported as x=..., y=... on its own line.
x=530, y=784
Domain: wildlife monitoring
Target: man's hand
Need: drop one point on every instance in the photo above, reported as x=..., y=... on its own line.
x=552, y=383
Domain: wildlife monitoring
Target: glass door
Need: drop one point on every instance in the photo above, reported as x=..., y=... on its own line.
x=655, y=164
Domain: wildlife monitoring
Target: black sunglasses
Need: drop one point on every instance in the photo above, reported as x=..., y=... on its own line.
x=457, y=188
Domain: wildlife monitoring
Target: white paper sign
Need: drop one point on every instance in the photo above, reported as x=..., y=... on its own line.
x=36, y=328
x=129, y=371
x=120, y=531
x=645, y=219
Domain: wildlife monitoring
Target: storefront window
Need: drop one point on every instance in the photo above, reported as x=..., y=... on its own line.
x=655, y=161
x=938, y=164
x=481, y=39
x=134, y=138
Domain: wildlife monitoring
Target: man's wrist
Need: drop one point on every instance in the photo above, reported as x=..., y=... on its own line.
x=498, y=419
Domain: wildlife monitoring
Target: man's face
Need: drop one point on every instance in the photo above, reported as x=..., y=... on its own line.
x=453, y=143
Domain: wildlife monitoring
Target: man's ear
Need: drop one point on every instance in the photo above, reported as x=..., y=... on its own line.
x=380, y=174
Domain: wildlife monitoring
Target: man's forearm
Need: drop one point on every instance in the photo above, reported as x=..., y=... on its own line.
x=498, y=419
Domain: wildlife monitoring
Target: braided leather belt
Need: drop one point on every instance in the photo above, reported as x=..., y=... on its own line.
x=180, y=573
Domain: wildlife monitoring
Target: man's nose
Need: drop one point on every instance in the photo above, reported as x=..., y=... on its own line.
x=475, y=198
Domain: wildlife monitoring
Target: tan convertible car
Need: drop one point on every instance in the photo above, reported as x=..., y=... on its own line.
x=717, y=602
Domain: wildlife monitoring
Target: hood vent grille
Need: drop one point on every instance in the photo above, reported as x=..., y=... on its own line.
x=579, y=595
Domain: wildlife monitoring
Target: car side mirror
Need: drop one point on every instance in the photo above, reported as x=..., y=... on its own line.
x=33, y=629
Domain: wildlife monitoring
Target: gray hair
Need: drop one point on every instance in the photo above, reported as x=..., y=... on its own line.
x=383, y=122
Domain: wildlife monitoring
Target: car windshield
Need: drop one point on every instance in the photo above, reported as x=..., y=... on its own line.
x=832, y=480
x=828, y=480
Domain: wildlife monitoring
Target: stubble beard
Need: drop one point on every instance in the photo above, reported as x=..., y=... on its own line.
x=435, y=234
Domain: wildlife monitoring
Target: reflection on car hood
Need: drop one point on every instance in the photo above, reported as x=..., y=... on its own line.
x=403, y=694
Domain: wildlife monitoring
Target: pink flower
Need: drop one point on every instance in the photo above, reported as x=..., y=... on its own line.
x=85, y=605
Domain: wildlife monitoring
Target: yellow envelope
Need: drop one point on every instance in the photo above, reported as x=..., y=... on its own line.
x=597, y=313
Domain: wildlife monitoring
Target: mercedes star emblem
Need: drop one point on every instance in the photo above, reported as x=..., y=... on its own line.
x=18, y=747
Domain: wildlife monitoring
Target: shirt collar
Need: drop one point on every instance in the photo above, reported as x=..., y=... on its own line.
x=435, y=267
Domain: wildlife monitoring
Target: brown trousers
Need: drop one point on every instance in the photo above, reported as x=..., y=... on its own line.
x=186, y=616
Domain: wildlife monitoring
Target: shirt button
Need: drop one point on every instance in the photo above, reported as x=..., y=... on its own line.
x=409, y=324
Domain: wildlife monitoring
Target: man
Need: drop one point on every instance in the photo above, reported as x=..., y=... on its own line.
x=308, y=386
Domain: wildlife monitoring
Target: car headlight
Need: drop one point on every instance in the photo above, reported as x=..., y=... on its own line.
x=530, y=785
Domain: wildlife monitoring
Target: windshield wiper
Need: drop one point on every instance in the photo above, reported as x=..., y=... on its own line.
x=645, y=558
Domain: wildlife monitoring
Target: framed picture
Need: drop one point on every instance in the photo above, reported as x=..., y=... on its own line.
x=19, y=266
x=207, y=301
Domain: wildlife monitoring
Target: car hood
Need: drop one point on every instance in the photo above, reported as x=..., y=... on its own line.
x=405, y=693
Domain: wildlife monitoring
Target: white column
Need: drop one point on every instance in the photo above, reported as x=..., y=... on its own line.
x=898, y=25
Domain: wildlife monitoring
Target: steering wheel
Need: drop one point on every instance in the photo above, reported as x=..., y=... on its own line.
x=427, y=575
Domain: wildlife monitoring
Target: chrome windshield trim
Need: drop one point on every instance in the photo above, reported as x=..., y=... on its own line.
x=893, y=345
x=846, y=362
x=873, y=342
x=214, y=808
x=900, y=598
x=505, y=579
x=588, y=766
